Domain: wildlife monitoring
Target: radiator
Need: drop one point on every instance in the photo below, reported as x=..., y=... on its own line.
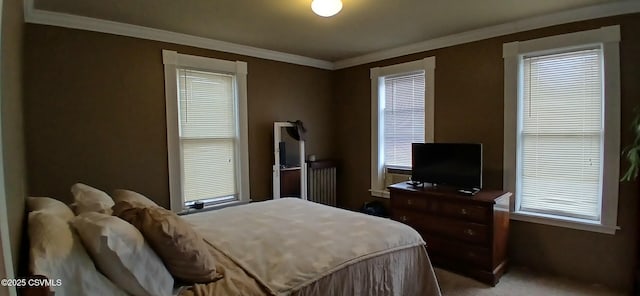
x=321, y=177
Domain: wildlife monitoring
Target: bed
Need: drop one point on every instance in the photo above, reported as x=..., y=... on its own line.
x=285, y=246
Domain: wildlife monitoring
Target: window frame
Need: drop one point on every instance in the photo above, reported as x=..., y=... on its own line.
x=377, y=74
x=172, y=61
x=608, y=39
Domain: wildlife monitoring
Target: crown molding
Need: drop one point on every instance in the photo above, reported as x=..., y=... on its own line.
x=563, y=17
x=43, y=17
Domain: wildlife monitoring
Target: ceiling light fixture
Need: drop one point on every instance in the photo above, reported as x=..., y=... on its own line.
x=326, y=8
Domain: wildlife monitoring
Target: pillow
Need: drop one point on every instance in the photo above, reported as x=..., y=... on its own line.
x=120, y=252
x=57, y=253
x=183, y=251
x=132, y=197
x=89, y=199
x=53, y=206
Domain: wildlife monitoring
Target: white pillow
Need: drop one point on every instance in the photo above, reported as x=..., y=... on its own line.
x=120, y=252
x=89, y=199
x=50, y=205
x=132, y=197
x=57, y=253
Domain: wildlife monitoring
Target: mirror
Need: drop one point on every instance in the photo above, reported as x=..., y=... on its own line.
x=289, y=168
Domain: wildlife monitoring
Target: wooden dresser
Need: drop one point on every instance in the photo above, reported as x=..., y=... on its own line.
x=466, y=234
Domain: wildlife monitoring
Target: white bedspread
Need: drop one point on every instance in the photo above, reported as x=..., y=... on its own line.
x=289, y=243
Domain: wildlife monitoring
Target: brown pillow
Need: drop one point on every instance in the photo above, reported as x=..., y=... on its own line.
x=133, y=197
x=183, y=251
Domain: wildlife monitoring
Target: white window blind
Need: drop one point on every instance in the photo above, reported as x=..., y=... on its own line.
x=404, y=117
x=207, y=134
x=561, y=133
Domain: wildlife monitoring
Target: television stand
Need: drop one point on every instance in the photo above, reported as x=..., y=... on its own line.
x=467, y=234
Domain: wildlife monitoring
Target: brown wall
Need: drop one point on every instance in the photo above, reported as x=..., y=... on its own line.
x=95, y=111
x=12, y=123
x=469, y=108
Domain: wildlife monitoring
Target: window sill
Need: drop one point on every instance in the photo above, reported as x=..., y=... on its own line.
x=214, y=207
x=379, y=193
x=565, y=222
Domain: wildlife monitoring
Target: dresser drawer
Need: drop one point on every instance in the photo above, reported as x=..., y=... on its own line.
x=455, y=251
x=464, y=211
x=464, y=231
x=453, y=228
x=407, y=217
x=410, y=202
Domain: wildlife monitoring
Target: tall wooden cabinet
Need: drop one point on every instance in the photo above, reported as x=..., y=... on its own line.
x=466, y=234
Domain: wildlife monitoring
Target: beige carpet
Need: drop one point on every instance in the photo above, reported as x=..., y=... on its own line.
x=518, y=282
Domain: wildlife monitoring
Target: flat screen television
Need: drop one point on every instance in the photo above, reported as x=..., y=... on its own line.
x=456, y=165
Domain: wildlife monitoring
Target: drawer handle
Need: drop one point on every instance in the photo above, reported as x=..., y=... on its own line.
x=409, y=201
x=404, y=218
x=469, y=232
x=463, y=211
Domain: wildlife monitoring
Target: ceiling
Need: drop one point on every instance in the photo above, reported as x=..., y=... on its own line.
x=289, y=26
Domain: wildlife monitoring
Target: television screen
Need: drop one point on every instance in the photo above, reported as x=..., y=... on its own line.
x=452, y=164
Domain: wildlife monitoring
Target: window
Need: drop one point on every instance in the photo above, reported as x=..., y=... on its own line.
x=562, y=129
x=403, y=117
x=206, y=130
x=402, y=113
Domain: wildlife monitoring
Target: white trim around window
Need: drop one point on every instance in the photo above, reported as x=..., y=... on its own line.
x=607, y=39
x=426, y=65
x=172, y=62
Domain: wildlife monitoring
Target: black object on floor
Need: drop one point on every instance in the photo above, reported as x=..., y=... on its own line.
x=375, y=208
